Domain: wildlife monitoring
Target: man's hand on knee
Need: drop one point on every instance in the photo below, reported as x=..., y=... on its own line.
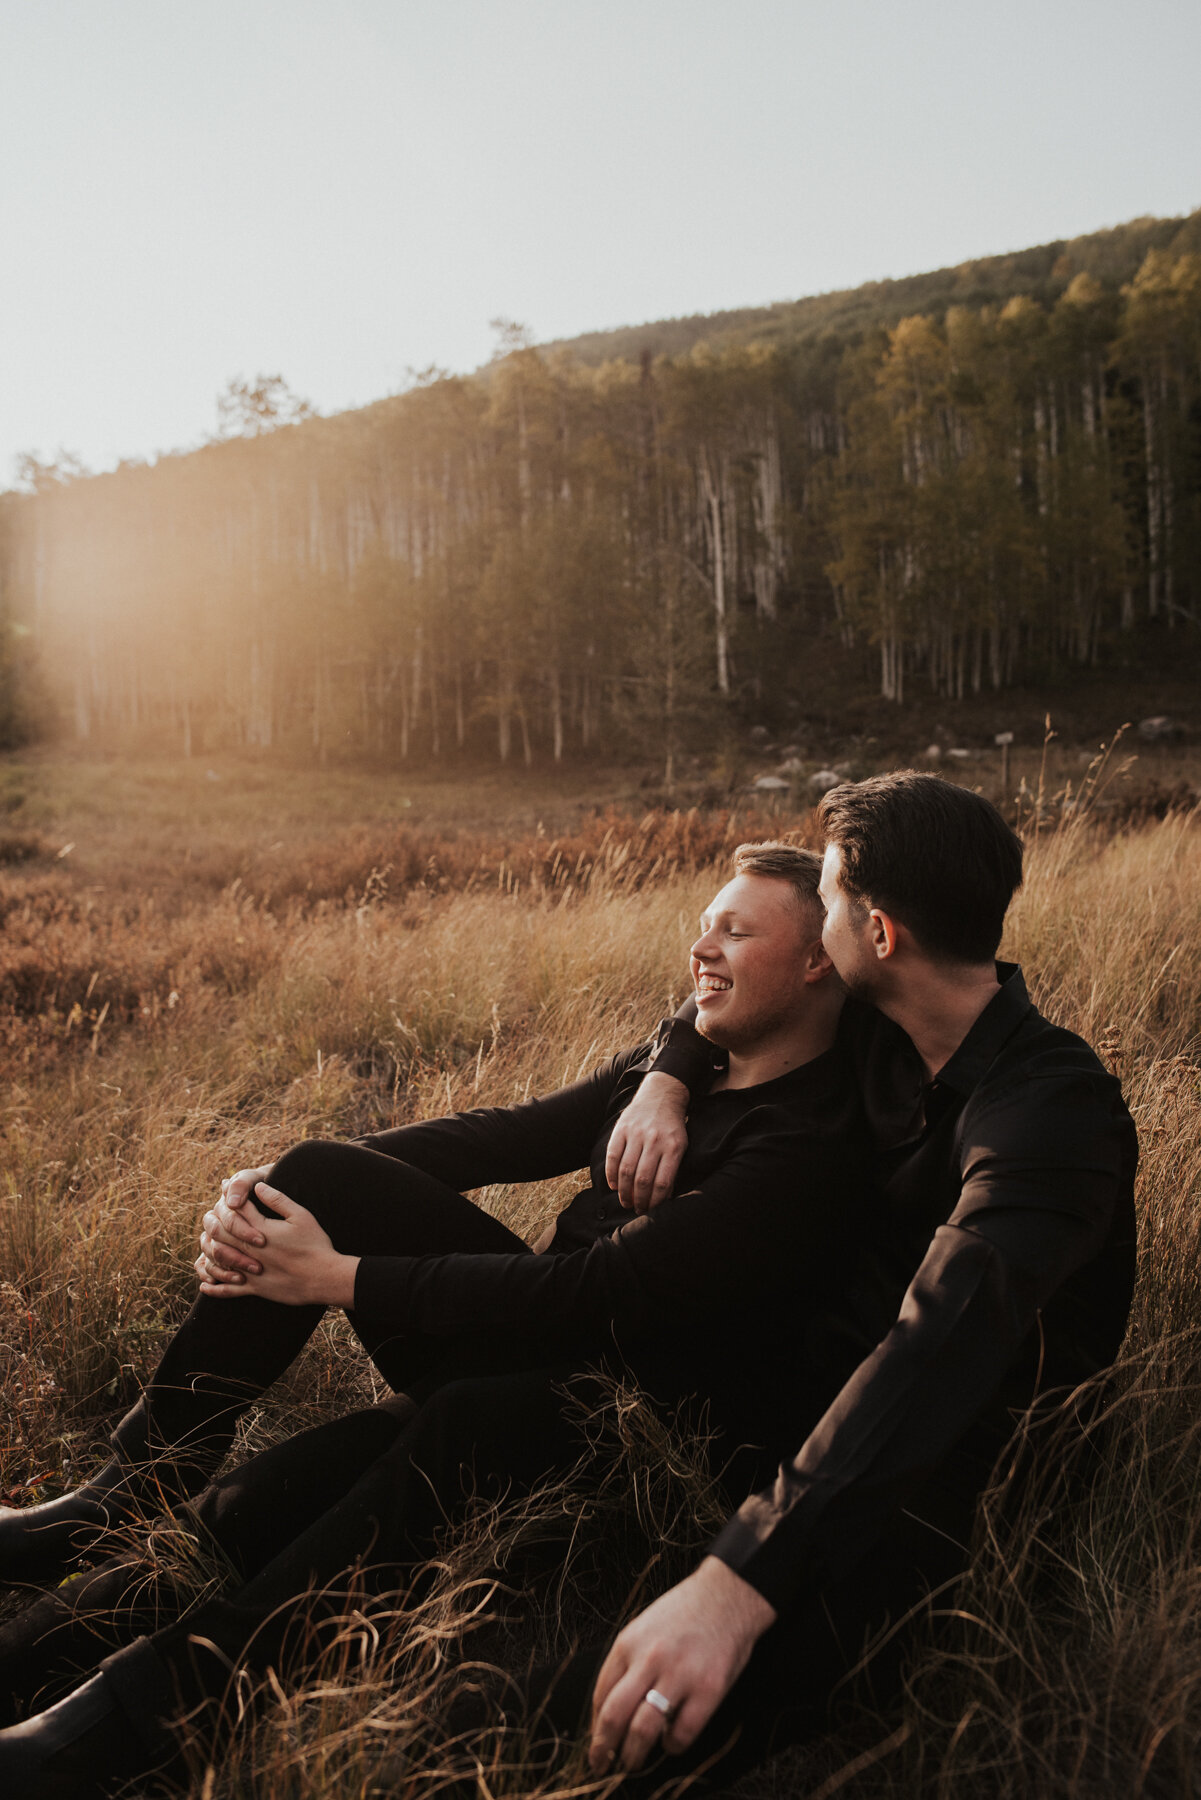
x=228, y=1232
x=296, y=1263
x=673, y=1665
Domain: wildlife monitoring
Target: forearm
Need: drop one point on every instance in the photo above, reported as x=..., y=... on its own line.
x=961, y=1326
x=532, y=1141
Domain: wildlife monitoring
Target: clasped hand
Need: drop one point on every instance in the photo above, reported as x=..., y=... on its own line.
x=289, y=1258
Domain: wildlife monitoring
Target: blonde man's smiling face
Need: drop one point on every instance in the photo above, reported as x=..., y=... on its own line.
x=748, y=965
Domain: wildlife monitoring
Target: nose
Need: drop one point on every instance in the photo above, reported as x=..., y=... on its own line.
x=704, y=946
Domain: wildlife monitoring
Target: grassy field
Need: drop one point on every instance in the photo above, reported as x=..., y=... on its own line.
x=198, y=970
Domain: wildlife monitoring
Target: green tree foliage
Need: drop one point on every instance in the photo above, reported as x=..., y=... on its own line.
x=555, y=556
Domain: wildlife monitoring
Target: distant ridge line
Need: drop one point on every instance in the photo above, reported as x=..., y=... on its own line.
x=1111, y=256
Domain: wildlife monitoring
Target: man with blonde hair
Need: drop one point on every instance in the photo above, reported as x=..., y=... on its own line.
x=697, y=1298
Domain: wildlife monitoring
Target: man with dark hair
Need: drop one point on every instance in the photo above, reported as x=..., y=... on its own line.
x=897, y=836
x=1001, y=1272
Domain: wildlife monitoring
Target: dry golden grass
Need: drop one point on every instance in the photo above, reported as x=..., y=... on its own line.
x=185, y=995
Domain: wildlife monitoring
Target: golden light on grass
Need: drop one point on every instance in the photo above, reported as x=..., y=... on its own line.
x=170, y=1018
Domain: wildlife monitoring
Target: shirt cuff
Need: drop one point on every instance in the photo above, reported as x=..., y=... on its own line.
x=683, y=1053
x=380, y=1284
x=772, y=1567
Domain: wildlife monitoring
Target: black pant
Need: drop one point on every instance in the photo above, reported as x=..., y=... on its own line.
x=296, y=1517
x=228, y=1351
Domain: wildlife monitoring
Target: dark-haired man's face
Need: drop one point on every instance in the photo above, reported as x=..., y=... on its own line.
x=846, y=931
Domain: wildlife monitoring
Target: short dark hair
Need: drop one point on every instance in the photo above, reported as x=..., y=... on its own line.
x=783, y=862
x=937, y=857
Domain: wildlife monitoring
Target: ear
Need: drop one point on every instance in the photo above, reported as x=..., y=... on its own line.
x=882, y=933
x=816, y=964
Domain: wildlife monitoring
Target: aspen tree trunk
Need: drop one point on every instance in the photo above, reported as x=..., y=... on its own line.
x=1040, y=453
x=1153, y=501
x=669, y=687
x=435, y=729
x=504, y=706
x=527, y=753
x=1169, y=502
x=768, y=503
x=460, y=722
x=717, y=540
x=556, y=711
x=585, y=712
x=418, y=673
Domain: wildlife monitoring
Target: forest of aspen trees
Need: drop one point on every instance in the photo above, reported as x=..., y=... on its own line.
x=559, y=558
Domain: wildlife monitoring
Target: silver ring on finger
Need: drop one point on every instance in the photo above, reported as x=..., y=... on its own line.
x=660, y=1702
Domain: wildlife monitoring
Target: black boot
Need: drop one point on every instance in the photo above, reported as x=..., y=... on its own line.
x=74, y=1750
x=36, y=1541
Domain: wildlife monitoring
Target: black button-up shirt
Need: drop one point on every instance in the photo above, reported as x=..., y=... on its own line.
x=1002, y=1267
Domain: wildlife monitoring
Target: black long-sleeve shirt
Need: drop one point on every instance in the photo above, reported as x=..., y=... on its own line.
x=772, y=1189
x=1003, y=1267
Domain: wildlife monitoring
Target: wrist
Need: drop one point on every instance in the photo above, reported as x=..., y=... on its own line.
x=340, y=1286
x=735, y=1596
x=665, y=1089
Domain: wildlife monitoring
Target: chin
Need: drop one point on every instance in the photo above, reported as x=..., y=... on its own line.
x=711, y=1030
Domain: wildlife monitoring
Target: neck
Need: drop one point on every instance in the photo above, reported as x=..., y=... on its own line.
x=937, y=1006
x=787, y=1049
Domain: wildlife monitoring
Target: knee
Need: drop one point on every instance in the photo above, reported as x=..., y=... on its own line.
x=309, y=1173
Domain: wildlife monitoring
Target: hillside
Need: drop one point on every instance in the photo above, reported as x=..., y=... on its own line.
x=1112, y=257
x=949, y=489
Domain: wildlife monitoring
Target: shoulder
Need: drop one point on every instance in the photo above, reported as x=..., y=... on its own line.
x=1041, y=1057
x=1048, y=1098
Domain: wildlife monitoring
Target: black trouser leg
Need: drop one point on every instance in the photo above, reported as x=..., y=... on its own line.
x=243, y=1519
x=229, y=1351
x=488, y=1436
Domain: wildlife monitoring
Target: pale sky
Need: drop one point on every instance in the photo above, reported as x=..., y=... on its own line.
x=342, y=190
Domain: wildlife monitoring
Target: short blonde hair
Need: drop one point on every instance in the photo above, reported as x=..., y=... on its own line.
x=801, y=869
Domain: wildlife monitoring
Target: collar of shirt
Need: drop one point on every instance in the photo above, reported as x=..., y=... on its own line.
x=966, y=1068
x=901, y=1104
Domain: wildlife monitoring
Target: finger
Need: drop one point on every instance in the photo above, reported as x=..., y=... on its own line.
x=626, y=1175
x=643, y=1734
x=611, y=1672
x=613, y=1156
x=208, y=1271
x=278, y=1202
x=218, y=1270
x=223, y=1290
x=643, y=1184
x=665, y=1175
x=240, y=1223
x=217, y=1246
x=626, y=1727
x=236, y=1187
x=690, y=1720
